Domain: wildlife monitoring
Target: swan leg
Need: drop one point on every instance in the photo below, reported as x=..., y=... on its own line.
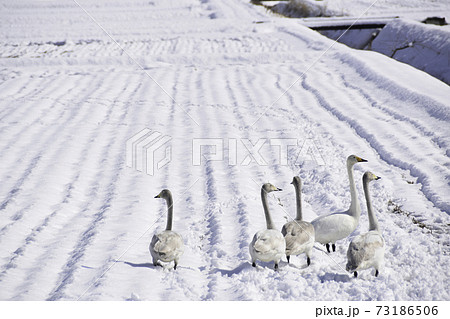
x=175, y=266
x=328, y=247
x=276, y=266
x=308, y=261
x=288, y=257
x=334, y=247
x=155, y=262
x=376, y=272
x=355, y=274
x=253, y=264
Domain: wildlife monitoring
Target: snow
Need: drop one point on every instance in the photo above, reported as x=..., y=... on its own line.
x=425, y=47
x=414, y=9
x=77, y=221
x=404, y=38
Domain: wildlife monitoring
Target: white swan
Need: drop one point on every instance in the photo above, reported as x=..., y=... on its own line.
x=367, y=250
x=299, y=235
x=268, y=244
x=168, y=245
x=336, y=226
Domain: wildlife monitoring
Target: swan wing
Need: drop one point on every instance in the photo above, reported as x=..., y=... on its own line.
x=298, y=236
x=364, y=251
x=330, y=228
x=268, y=245
x=167, y=245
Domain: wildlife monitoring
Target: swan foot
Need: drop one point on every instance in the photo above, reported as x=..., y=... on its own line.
x=355, y=274
x=288, y=257
x=308, y=261
x=328, y=247
x=376, y=272
x=334, y=247
x=253, y=264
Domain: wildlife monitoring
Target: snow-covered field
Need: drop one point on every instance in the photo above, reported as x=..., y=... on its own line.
x=78, y=79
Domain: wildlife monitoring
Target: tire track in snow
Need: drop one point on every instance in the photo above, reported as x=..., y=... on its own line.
x=211, y=211
x=178, y=283
x=124, y=233
x=47, y=169
x=42, y=145
x=415, y=124
x=232, y=209
x=239, y=94
x=167, y=177
x=431, y=106
x=235, y=217
x=26, y=92
x=57, y=212
x=187, y=93
x=37, y=144
x=55, y=245
x=51, y=91
x=30, y=238
x=100, y=184
x=385, y=154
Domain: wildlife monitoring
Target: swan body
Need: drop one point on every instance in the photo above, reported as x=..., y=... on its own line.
x=333, y=227
x=267, y=244
x=298, y=234
x=367, y=250
x=168, y=245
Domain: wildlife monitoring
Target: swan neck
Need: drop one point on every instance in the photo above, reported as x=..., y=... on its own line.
x=355, y=209
x=298, y=198
x=169, y=202
x=269, y=221
x=373, y=221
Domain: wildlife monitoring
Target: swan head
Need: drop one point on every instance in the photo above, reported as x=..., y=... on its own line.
x=267, y=187
x=369, y=176
x=165, y=193
x=296, y=181
x=353, y=159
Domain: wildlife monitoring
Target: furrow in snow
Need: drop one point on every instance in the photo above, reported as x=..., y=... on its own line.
x=388, y=149
x=47, y=175
x=100, y=192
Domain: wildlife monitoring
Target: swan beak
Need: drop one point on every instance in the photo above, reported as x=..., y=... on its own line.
x=377, y=177
x=359, y=159
x=279, y=189
x=158, y=196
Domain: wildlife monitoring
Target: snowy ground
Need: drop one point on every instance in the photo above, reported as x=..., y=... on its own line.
x=412, y=9
x=76, y=221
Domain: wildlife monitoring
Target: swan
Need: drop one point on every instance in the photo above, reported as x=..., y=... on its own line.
x=336, y=226
x=167, y=245
x=299, y=235
x=267, y=244
x=367, y=250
